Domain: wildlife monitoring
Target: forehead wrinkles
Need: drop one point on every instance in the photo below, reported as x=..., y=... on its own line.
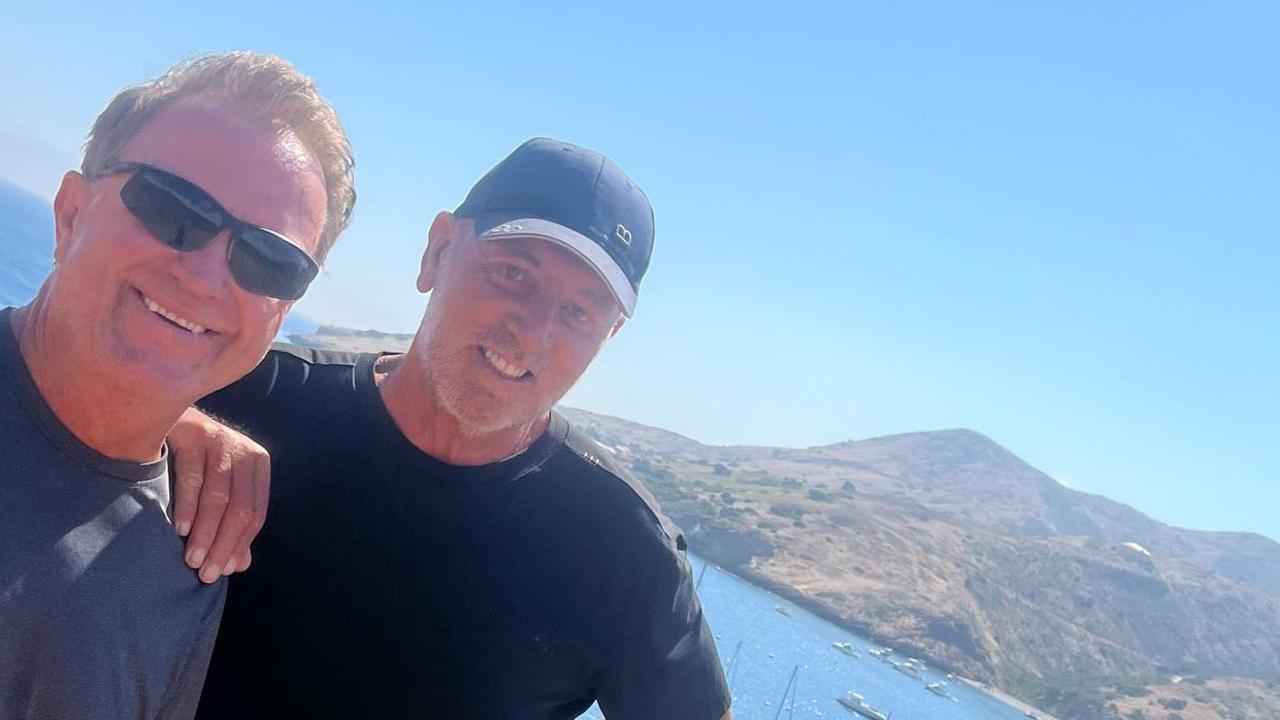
x=206, y=139
x=262, y=174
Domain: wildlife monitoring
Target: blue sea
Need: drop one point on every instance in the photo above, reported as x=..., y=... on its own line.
x=26, y=244
x=760, y=647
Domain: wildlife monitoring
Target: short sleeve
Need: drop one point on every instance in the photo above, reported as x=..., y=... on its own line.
x=188, y=681
x=666, y=665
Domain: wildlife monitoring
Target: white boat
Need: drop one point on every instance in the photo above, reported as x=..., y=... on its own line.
x=910, y=668
x=881, y=653
x=846, y=648
x=781, y=610
x=939, y=689
x=856, y=703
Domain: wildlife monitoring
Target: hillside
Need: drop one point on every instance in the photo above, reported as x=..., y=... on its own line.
x=946, y=544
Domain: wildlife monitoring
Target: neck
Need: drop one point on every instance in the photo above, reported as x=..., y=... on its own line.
x=110, y=415
x=417, y=411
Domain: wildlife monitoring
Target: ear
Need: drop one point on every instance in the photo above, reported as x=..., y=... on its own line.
x=617, y=326
x=444, y=231
x=71, y=197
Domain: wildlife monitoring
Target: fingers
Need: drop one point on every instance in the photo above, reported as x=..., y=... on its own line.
x=188, y=465
x=262, y=498
x=221, y=492
x=215, y=495
x=244, y=516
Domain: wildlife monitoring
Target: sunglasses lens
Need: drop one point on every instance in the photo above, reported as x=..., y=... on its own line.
x=170, y=209
x=184, y=217
x=267, y=264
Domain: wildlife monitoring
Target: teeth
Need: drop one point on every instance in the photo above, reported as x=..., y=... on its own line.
x=509, y=369
x=195, y=328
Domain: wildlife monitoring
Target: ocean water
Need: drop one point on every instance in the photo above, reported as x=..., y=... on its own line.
x=26, y=244
x=769, y=645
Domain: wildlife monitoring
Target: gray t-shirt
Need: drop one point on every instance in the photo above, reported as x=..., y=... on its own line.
x=99, y=616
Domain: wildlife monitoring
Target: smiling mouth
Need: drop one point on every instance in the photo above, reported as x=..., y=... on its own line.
x=173, y=318
x=503, y=366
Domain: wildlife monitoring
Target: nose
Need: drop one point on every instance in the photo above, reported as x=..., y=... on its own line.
x=204, y=272
x=534, y=325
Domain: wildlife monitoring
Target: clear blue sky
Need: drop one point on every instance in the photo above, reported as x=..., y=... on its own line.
x=1057, y=224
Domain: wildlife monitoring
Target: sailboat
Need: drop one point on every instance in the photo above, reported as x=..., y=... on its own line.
x=790, y=689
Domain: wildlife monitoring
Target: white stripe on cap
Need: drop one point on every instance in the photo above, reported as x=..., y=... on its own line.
x=596, y=256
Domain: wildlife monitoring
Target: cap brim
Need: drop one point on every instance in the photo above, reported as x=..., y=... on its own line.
x=583, y=246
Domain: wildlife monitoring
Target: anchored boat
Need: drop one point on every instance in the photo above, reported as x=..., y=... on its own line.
x=911, y=668
x=854, y=702
x=846, y=648
x=940, y=689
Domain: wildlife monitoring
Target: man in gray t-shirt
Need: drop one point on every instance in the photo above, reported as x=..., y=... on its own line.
x=92, y=577
x=206, y=199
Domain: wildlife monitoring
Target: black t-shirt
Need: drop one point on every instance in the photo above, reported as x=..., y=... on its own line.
x=389, y=584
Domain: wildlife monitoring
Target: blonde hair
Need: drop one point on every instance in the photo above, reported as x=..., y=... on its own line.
x=266, y=88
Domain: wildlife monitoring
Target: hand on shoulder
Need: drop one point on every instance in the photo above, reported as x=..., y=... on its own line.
x=221, y=490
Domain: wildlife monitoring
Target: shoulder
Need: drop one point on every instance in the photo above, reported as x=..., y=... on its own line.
x=313, y=356
x=285, y=359
x=622, y=495
x=290, y=368
x=289, y=382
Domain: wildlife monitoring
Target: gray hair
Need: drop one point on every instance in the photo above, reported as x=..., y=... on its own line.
x=265, y=87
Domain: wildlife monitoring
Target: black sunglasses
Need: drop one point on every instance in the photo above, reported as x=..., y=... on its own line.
x=184, y=217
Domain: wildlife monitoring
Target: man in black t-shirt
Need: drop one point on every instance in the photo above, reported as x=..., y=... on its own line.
x=441, y=543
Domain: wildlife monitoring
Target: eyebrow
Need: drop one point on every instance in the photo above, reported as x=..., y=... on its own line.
x=510, y=249
x=598, y=299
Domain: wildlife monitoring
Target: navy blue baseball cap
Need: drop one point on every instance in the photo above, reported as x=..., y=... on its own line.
x=572, y=196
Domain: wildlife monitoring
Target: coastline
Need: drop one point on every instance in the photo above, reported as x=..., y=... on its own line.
x=1006, y=698
x=760, y=582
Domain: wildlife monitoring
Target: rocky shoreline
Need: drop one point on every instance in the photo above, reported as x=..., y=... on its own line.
x=761, y=582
